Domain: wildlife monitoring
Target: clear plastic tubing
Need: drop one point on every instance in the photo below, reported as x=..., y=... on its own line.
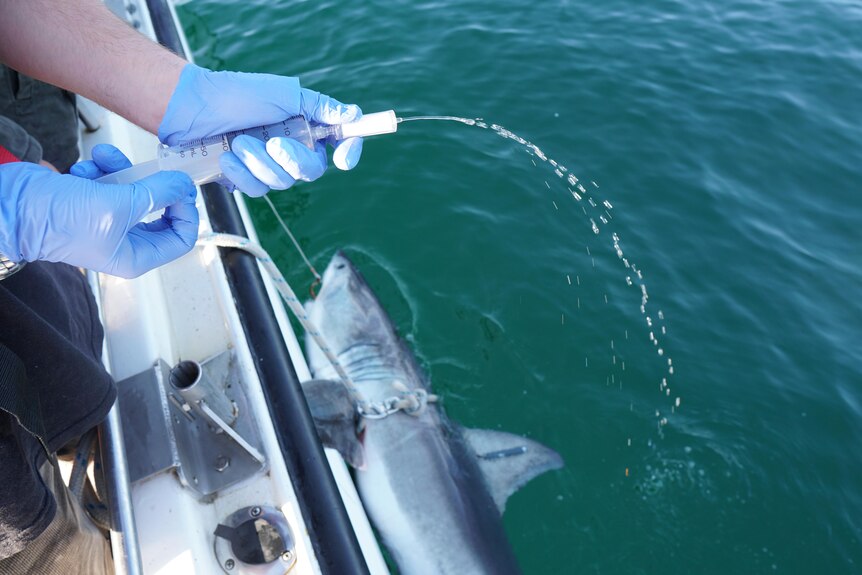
x=200, y=158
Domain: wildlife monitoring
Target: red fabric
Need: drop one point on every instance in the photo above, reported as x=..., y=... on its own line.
x=7, y=157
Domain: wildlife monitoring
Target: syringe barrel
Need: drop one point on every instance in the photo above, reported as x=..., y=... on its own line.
x=133, y=174
x=201, y=168
x=200, y=158
x=200, y=162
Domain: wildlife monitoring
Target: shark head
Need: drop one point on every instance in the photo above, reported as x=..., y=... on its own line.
x=346, y=311
x=341, y=274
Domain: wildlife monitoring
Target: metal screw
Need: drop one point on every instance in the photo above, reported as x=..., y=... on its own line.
x=229, y=564
x=222, y=463
x=255, y=511
x=287, y=556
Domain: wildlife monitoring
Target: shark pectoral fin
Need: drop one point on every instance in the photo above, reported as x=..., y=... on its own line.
x=334, y=411
x=509, y=461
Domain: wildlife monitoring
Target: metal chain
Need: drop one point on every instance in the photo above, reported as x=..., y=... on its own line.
x=411, y=402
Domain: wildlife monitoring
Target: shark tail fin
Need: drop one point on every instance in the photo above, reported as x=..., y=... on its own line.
x=509, y=461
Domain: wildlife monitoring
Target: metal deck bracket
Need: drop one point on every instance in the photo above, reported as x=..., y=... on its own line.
x=194, y=418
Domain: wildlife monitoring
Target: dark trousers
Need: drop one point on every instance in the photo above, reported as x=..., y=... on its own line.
x=46, y=112
x=70, y=544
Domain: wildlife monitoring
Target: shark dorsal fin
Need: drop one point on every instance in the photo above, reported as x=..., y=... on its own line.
x=509, y=461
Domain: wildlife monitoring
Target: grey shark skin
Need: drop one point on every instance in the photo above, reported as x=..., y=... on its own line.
x=436, y=504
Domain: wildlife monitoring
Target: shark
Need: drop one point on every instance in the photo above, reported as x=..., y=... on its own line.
x=434, y=491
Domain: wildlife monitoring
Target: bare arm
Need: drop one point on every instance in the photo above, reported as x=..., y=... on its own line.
x=81, y=46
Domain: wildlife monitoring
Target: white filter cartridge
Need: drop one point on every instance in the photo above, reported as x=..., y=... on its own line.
x=371, y=125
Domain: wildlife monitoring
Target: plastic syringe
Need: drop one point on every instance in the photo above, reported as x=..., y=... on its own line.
x=200, y=158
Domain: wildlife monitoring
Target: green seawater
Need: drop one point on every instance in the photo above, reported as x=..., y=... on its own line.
x=727, y=136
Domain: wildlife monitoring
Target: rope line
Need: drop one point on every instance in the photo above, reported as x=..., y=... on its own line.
x=283, y=225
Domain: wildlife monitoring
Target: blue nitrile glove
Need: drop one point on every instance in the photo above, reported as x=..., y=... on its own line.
x=207, y=103
x=67, y=218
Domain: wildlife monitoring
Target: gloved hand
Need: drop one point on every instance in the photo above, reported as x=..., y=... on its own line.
x=67, y=218
x=207, y=103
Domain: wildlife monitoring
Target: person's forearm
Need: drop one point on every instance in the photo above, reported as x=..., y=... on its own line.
x=80, y=46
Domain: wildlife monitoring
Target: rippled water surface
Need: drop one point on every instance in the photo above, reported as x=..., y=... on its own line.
x=726, y=138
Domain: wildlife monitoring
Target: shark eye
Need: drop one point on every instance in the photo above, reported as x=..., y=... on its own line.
x=339, y=267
